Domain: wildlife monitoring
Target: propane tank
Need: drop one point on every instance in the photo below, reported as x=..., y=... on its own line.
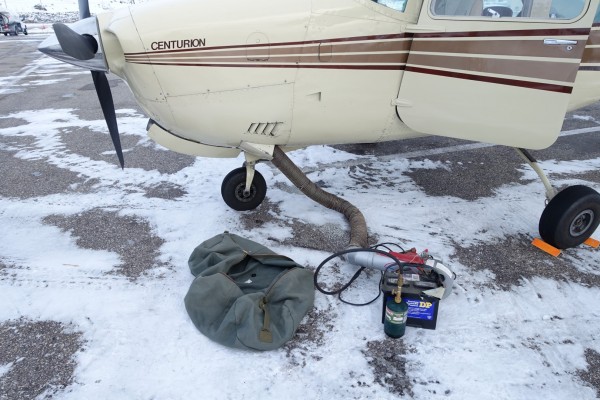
x=396, y=313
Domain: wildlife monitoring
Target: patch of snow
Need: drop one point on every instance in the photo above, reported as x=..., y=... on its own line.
x=4, y=369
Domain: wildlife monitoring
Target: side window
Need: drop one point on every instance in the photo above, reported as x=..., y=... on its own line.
x=566, y=9
x=398, y=5
x=539, y=9
x=478, y=8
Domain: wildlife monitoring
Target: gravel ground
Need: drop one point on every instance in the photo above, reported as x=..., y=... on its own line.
x=40, y=358
x=129, y=237
x=590, y=375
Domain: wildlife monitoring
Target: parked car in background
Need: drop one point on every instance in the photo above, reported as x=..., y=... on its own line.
x=11, y=24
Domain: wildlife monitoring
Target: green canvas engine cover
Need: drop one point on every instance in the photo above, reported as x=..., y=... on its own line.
x=245, y=295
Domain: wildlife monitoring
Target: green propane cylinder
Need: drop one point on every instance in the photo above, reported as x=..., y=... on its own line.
x=395, y=318
x=396, y=313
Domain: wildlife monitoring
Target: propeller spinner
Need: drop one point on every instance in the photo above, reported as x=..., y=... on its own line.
x=79, y=44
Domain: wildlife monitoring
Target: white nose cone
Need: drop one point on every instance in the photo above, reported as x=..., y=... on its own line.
x=89, y=29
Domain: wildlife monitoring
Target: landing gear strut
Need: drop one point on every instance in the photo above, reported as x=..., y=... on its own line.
x=571, y=215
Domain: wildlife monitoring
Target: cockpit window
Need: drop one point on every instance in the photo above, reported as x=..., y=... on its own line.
x=566, y=9
x=398, y=5
x=539, y=9
x=478, y=8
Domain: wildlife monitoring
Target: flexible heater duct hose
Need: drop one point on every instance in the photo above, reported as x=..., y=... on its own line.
x=358, y=225
x=358, y=252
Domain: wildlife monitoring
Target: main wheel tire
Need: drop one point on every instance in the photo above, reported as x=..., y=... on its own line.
x=571, y=217
x=233, y=187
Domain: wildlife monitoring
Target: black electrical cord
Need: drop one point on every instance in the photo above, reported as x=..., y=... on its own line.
x=385, y=245
x=356, y=274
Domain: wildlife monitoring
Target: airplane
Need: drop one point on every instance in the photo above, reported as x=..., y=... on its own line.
x=217, y=79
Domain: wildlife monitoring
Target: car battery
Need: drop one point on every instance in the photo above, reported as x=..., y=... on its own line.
x=422, y=309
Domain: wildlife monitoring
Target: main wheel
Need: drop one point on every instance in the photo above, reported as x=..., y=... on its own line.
x=233, y=187
x=571, y=217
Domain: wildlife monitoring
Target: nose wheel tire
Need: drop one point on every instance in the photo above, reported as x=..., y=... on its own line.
x=233, y=188
x=571, y=217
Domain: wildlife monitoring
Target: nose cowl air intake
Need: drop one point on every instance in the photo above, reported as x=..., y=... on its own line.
x=78, y=44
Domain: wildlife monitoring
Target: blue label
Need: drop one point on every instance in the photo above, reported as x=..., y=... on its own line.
x=420, y=309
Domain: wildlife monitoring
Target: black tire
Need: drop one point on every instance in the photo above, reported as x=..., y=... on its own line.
x=233, y=187
x=5, y=33
x=571, y=217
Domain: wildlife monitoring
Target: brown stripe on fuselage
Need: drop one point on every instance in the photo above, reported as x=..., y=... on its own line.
x=491, y=79
x=363, y=47
x=591, y=55
x=514, y=33
x=594, y=38
x=554, y=71
x=390, y=52
x=374, y=46
x=398, y=58
x=261, y=65
x=518, y=48
x=303, y=43
x=386, y=37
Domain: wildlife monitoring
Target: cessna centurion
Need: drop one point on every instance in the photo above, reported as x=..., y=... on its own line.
x=257, y=77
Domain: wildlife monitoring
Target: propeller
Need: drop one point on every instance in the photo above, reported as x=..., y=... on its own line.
x=81, y=47
x=84, y=9
x=108, y=109
x=84, y=47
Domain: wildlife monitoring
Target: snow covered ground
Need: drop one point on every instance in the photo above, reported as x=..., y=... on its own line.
x=93, y=265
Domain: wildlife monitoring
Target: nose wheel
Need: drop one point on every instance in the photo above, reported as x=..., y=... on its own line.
x=238, y=195
x=571, y=217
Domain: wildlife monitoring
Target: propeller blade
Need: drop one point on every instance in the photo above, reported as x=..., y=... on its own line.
x=80, y=47
x=84, y=9
x=108, y=109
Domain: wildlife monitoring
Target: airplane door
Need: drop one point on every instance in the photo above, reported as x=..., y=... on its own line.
x=498, y=71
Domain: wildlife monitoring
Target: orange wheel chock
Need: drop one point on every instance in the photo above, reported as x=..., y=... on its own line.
x=545, y=247
x=593, y=243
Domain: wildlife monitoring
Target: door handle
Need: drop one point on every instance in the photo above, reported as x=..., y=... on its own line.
x=560, y=42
